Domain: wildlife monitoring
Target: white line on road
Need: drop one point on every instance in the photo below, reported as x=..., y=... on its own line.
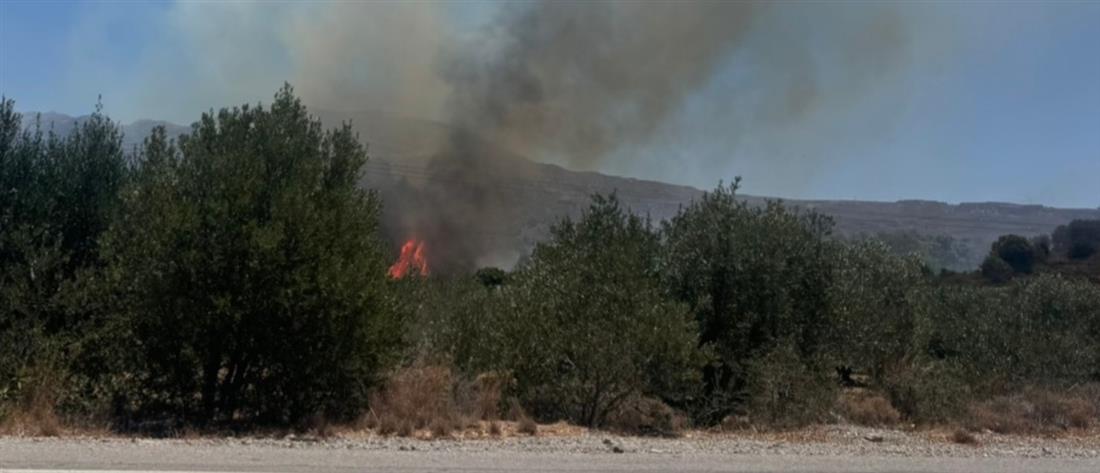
x=10, y=470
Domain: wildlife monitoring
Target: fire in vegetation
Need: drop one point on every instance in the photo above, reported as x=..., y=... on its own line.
x=412, y=260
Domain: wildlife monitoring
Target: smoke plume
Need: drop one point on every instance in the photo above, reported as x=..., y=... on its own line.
x=615, y=86
x=579, y=82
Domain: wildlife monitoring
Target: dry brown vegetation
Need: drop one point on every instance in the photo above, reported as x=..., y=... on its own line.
x=863, y=407
x=1038, y=411
x=962, y=436
x=641, y=415
x=35, y=412
x=423, y=396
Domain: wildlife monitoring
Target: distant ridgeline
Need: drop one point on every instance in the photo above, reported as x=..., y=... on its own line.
x=405, y=165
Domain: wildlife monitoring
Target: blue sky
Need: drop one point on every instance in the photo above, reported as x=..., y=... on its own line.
x=994, y=101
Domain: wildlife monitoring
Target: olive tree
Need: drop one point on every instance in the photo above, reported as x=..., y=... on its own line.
x=755, y=278
x=590, y=326
x=249, y=270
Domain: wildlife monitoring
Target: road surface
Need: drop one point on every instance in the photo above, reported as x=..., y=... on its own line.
x=39, y=456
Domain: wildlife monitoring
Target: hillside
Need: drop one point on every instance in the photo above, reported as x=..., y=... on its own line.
x=486, y=205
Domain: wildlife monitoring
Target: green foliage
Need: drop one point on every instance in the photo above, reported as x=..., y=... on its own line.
x=248, y=272
x=590, y=327
x=237, y=277
x=876, y=301
x=459, y=321
x=491, y=277
x=752, y=276
x=1016, y=251
x=785, y=391
x=1080, y=239
x=57, y=195
x=1041, y=331
x=996, y=270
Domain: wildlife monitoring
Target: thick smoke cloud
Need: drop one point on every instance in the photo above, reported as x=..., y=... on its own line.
x=591, y=85
x=576, y=80
x=580, y=83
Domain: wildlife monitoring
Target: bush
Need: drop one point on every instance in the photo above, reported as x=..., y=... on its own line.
x=752, y=277
x=929, y=390
x=1034, y=411
x=460, y=322
x=996, y=270
x=1016, y=251
x=876, y=301
x=1041, y=330
x=433, y=397
x=35, y=410
x=867, y=408
x=961, y=436
x=590, y=328
x=57, y=196
x=786, y=390
x=248, y=270
x=646, y=416
x=420, y=396
x=1080, y=239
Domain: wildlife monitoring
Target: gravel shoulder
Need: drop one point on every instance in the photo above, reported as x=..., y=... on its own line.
x=825, y=448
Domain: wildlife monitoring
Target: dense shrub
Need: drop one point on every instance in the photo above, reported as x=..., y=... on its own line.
x=784, y=389
x=590, y=328
x=249, y=273
x=434, y=397
x=1035, y=410
x=996, y=270
x=867, y=408
x=57, y=195
x=753, y=277
x=1016, y=251
x=876, y=302
x=459, y=321
x=1040, y=331
x=1080, y=239
x=237, y=277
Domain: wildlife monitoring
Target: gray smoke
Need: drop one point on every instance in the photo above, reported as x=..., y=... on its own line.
x=579, y=82
x=594, y=85
x=576, y=80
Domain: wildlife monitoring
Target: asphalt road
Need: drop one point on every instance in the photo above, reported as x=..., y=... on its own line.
x=54, y=456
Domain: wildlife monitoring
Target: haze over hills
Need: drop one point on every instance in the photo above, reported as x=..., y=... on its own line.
x=513, y=202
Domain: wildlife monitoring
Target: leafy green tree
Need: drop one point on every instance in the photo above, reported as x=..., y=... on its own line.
x=590, y=326
x=1080, y=239
x=57, y=196
x=459, y=321
x=755, y=278
x=249, y=272
x=996, y=270
x=876, y=300
x=1039, y=331
x=1016, y=251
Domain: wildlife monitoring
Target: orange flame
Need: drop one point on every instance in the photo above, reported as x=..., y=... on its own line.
x=412, y=258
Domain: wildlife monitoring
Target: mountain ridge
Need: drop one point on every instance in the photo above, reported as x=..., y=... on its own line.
x=405, y=159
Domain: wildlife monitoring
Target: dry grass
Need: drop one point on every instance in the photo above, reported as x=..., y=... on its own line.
x=963, y=437
x=35, y=411
x=863, y=407
x=432, y=397
x=527, y=425
x=646, y=416
x=1037, y=411
x=524, y=423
